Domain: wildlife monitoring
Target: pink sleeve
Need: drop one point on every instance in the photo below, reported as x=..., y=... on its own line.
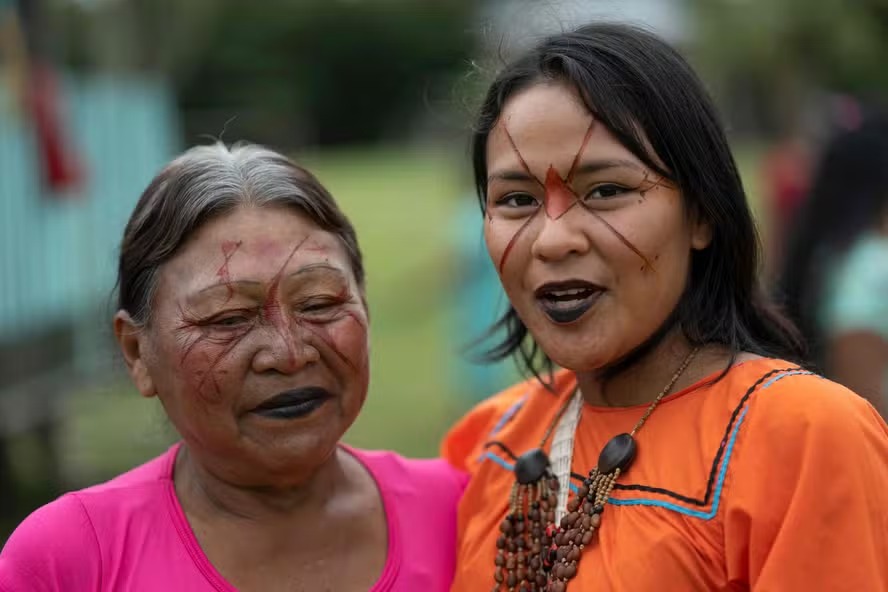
x=53, y=550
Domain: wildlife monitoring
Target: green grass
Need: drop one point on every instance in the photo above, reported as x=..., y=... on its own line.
x=401, y=203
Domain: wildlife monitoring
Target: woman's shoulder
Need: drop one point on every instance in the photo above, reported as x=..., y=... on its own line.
x=56, y=544
x=78, y=521
x=794, y=410
x=489, y=416
x=60, y=543
x=792, y=395
x=401, y=475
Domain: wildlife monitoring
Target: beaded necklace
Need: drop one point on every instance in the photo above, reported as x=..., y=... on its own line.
x=534, y=552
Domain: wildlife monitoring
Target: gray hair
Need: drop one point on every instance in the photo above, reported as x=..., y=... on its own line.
x=206, y=182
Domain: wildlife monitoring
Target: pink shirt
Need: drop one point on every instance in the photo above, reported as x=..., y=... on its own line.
x=131, y=533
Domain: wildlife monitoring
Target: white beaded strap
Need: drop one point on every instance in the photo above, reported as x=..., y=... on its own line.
x=561, y=455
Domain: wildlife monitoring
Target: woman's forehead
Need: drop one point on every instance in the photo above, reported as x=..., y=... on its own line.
x=253, y=246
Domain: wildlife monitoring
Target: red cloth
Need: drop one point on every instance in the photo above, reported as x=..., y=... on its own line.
x=62, y=170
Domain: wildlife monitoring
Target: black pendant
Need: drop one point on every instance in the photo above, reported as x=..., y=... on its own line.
x=617, y=454
x=531, y=466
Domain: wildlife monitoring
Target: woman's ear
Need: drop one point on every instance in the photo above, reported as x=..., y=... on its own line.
x=132, y=340
x=701, y=232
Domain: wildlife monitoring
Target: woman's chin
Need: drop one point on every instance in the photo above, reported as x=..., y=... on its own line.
x=580, y=357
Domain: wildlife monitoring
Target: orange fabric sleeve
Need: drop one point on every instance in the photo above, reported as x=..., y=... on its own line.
x=462, y=443
x=807, y=503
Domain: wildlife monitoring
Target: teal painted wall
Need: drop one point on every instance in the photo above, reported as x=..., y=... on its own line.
x=58, y=252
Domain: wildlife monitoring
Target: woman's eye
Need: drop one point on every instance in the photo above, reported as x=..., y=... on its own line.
x=318, y=305
x=517, y=200
x=606, y=191
x=229, y=322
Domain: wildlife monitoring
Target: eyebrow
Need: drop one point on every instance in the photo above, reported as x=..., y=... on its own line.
x=314, y=267
x=590, y=166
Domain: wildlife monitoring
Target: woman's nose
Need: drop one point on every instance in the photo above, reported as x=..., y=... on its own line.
x=284, y=349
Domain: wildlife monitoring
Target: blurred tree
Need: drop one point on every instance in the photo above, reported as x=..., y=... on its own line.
x=781, y=50
x=289, y=71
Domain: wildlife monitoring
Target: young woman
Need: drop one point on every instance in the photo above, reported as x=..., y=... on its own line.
x=680, y=447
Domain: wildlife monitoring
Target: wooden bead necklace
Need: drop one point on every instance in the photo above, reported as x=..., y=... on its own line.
x=534, y=554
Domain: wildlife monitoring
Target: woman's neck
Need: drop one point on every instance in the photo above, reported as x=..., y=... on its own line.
x=202, y=492
x=647, y=377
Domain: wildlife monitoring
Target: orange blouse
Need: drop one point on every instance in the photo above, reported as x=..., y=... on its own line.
x=770, y=479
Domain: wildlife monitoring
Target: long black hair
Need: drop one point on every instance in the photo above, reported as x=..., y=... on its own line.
x=642, y=89
x=849, y=195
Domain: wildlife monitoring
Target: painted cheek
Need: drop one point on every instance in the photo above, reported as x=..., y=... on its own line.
x=345, y=337
x=512, y=241
x=201, y=360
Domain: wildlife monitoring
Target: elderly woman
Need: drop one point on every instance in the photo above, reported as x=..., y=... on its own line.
x=241, y=307
x=677, y=449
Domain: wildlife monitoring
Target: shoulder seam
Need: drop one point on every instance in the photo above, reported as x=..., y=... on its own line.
x=92, y=528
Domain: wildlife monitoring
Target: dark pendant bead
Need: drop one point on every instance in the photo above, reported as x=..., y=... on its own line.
x=531, y=466
x=617, y=454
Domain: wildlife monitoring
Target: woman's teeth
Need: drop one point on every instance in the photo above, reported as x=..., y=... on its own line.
x=567, y=306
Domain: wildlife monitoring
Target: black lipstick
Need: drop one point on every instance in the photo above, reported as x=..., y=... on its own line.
x=294, y=403
x=565, y=302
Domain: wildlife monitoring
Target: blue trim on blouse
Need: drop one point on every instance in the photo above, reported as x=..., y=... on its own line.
x=723, y=470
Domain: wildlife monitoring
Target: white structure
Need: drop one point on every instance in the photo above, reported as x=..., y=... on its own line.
x=511, y=25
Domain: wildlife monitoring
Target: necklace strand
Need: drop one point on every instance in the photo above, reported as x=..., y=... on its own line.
x=532, y=557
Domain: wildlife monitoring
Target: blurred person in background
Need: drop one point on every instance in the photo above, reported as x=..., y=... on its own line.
x=681, y=447
x=835, y=274
x=478, y=300
x=242, y=308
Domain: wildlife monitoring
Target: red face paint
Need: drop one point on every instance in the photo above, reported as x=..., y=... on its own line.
x=514, y=240
x=272, y=309
x=521, y=158
x=229, y=248
x=294, y=329
x=623, y=239
x=559, y=198
x=576, y=160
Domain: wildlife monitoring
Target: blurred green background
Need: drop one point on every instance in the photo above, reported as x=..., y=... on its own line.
x=376, y=98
